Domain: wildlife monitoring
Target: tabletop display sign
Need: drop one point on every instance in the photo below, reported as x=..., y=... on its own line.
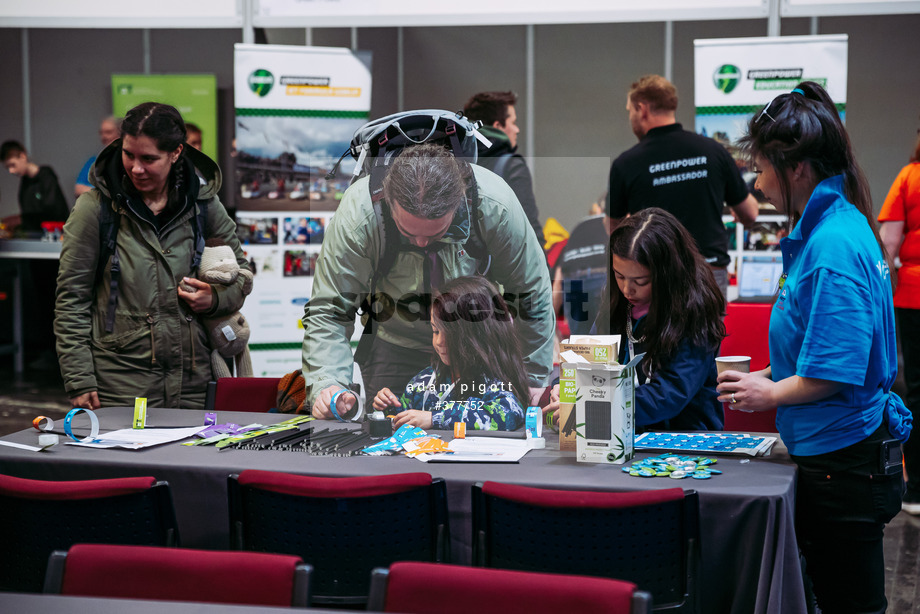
x=605, y=410
x=297, y=109
x=603, y=348
x=195, y=96
x=140, y=412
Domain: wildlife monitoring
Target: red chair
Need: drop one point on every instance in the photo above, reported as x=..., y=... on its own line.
x=344, y=527
x=430, y=588
x=748, y=325
x=256, y=394
x=647, y=537
x=179, y=574
x=41, y=516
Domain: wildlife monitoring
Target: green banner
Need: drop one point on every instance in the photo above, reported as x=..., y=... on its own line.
x=194, y=95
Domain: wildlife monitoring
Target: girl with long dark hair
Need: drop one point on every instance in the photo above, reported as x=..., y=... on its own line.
x=833, y=352
x=477, y=373
x=664, y=302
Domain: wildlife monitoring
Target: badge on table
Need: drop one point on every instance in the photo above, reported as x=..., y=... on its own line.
x=140, y=412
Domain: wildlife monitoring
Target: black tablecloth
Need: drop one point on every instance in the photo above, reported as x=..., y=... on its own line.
x=750, y=560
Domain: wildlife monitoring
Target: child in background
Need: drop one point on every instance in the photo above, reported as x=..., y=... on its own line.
x=477, y=374
x=666, y=303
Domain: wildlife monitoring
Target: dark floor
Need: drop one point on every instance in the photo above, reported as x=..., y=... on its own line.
x=41, y=393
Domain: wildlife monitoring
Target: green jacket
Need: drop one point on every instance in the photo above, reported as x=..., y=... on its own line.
x=346, y=263
x=158, y=348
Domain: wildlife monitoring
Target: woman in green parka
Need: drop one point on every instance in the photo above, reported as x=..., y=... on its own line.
x=150, y=342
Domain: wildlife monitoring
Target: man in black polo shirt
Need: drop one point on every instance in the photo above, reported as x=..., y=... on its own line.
x=689, y=175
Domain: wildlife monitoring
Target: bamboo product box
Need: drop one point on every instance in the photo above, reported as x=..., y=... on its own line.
x=593, y=348
x=605, y=413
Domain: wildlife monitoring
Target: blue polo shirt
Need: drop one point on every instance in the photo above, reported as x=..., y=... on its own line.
x=833, y=320
x=83, y=176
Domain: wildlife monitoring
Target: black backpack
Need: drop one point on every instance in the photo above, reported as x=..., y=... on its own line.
x=109, y=222
x=375, y=145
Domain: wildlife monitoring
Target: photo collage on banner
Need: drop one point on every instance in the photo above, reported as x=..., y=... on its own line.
x=734, y=79
x=297, y=109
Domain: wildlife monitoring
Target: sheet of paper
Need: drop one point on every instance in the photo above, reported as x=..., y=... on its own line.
x=21, y=446
x=135, y=439
x=570, y=356
x=480, y=450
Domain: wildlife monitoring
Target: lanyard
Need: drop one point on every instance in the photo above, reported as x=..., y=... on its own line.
x=632, y=353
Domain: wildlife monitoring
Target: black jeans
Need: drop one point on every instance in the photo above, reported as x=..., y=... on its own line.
x=842, y=506
x=390, y=366
x=909, y=331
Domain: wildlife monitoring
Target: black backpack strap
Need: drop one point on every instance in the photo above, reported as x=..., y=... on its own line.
x=200, y=233
x=109, y=221
x=386, y=256
x=475, y=245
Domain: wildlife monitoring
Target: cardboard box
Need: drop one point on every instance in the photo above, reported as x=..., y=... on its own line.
x=567, y=408
x=604, y=398
x=593, y=348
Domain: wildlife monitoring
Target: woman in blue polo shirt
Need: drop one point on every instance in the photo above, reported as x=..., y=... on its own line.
x=833, y=354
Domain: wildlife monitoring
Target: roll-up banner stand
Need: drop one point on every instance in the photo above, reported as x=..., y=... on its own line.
x=736, y=77
x=296, y=111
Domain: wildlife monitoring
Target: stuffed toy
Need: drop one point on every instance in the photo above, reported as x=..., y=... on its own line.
x=229, y=335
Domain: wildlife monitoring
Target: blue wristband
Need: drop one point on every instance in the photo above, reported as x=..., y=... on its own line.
x=93, y=420
x=335, y=397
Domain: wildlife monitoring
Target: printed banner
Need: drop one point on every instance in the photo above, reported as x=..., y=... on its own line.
x=195, y=96
x=296, y=111
x=736, y=77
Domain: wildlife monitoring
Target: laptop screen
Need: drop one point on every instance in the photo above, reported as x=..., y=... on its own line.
x=759, y=273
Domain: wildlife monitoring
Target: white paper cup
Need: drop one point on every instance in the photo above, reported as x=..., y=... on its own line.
x=733, y=363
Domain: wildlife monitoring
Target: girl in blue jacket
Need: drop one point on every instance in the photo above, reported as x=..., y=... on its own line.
x=833, y=353
x=477, y=372
x=665, y=303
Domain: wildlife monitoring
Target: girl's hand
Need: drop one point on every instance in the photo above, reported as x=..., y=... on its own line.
x=414, y=417
x=385, y=398
x=752, y=391
x=553, y=406
x=202, y=299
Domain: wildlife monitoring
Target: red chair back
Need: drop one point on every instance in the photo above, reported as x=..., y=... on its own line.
x=429, y=588
x=179, y=574
x=41, y=516
x=748, y=326
x=256, y=394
